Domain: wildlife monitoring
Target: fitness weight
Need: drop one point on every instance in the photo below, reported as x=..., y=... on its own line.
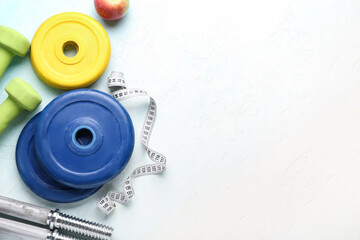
x=81, y=140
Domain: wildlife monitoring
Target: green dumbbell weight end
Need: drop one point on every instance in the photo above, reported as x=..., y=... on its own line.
x=21, y=96
x=11, y=43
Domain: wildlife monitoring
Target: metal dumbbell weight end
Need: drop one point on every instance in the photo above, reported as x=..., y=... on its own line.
x=11, y=43
x=54, y=219
x=21, y=96
x=26, y=231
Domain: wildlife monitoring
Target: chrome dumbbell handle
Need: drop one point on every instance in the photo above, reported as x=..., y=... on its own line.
x=54, y=219
x=26, y=231
x=23, y=210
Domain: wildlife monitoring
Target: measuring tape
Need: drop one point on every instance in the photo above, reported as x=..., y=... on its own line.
x=116, y=82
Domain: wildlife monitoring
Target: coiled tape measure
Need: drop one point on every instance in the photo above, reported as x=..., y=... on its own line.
x=120, y=92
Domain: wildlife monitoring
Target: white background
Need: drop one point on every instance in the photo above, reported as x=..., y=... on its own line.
x=259, y=116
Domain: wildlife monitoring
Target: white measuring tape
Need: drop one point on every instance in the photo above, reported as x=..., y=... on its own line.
x=116, y=81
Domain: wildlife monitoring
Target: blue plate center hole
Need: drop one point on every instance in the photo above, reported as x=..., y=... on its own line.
x=84, y=137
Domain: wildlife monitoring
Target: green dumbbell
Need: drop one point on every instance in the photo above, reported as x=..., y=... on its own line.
x=11, y=43
x=21, y=96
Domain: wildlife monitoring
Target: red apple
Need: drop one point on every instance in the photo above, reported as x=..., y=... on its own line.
x=111, y=9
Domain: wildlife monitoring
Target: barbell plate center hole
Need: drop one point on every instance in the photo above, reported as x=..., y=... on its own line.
x=70, y=49
x=84, y=137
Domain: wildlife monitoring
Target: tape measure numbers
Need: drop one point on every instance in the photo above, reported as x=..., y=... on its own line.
x=116, y=82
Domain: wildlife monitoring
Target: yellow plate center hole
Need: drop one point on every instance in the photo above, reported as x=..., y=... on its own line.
x=70, y=49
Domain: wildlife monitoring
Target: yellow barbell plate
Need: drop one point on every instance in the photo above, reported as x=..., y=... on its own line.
x=82, y=32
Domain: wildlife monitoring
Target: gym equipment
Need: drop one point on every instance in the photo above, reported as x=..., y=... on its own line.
x=53, y=219
x=36, y=178
x=84, y=139
x=11, y=43
x=70, y=30
x=80, y=141
x=21, y=96
x=26, y=231
x=116, y=82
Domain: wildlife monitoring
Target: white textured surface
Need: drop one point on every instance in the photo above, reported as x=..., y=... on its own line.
x=259, y=116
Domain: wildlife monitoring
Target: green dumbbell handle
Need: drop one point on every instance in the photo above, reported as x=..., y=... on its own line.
x=21, y=96
x=5, y=59
x=11, y=43
x=9, y=110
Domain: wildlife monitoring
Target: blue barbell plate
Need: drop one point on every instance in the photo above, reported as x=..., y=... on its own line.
x=84, y=138
x=36, y=178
